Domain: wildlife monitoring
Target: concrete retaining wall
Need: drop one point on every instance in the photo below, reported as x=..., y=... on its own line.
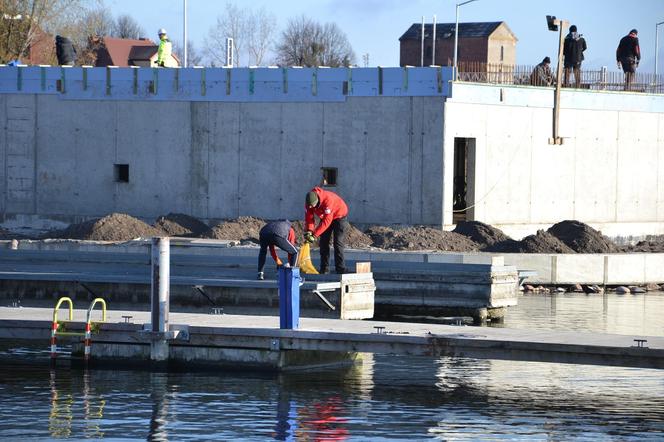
x=218, y=160
x=609, y=172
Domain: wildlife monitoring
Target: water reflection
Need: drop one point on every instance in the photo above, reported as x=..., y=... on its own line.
x=385, y=397
x=65, y=407
x=159, y=417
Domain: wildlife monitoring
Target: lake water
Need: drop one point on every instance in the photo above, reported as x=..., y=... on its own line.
x=385, y=398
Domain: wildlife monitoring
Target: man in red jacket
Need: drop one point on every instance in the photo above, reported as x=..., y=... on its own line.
x=332, y=211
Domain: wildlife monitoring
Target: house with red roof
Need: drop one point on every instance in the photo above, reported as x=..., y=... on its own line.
x=125, y=52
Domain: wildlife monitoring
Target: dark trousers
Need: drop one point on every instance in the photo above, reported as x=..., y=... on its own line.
x=339, y=228
x=282, y=243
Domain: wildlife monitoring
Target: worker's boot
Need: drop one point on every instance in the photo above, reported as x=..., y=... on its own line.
x=261, y=276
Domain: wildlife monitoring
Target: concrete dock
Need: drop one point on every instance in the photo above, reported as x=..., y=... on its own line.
x=481, y=287
x=254, y=340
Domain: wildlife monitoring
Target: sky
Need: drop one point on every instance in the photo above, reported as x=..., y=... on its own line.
x=374, y=26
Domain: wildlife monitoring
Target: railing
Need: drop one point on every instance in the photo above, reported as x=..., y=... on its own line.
x=601, y=79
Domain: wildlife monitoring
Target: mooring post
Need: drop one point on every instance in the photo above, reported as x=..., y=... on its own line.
x=160, y=297
x=289, y=298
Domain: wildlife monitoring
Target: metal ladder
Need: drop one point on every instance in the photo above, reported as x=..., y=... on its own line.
x=58, y=328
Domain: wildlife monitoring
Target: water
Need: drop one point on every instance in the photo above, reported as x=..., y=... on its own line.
x=386, y=398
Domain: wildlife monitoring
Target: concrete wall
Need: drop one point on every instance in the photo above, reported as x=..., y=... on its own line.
x=219, y=159
x=609, y=172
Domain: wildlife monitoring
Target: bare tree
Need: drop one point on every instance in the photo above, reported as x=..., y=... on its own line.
x=306, y=42
x=252, y=33
x=127, y=27
x=261, y=25
x=24, y=22
x=94, y=22
x=194, y=57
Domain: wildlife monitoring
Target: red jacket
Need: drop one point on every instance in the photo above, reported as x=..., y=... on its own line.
x=330, y=207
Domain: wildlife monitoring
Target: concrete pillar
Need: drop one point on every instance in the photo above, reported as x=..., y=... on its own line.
x=160, y=297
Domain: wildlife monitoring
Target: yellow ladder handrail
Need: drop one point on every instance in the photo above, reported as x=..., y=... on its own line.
x=57, y=307
x=92, y=306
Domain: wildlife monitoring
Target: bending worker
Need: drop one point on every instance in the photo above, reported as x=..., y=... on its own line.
x=332, y=211
x=280, y=234
x=165, y=49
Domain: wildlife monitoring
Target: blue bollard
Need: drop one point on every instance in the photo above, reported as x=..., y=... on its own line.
x=289, y=298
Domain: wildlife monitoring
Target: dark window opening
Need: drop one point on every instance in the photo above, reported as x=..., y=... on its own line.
x=121, y=173
x=502, y=53
x=329, y=176
x=464, y=180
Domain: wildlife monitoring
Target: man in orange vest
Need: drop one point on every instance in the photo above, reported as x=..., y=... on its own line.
x=332, y=211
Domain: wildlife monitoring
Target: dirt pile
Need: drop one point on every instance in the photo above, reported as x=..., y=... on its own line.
x=543, y=242
x=113, y=227
x=179, y=224
x=244, y=228
x=652, y=244
x=483, y=234
x=420, y=238
x=582, y=238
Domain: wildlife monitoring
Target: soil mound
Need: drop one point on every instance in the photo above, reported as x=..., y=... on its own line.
x=247, y=228
x=113, y=227
x=653, y=244
x=179, y=224
x=543, y=242
x=420, y=238
x=582, y=238
x=483, y=234
x=244, y=228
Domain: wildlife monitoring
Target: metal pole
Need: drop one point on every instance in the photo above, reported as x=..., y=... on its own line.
x=556, y=98
x=456, y=37
x=184, y=6
x=657, y=46
x=456, y=42
x=160, y=283
x=433, y=53
x=422, y=45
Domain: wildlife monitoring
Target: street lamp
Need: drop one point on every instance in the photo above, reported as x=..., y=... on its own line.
x=553, y=24
x=184, y=31
x=456, y=36
x=657, y=45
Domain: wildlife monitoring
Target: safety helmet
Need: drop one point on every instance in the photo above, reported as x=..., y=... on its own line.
x=161, y=31
x=312, y=199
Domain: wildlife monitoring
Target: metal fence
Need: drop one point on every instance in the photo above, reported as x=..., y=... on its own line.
x=601, y=79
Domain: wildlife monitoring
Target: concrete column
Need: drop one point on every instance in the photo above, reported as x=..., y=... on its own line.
x=160, y=297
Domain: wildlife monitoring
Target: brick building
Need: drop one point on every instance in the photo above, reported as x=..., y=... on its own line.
x=479, y=43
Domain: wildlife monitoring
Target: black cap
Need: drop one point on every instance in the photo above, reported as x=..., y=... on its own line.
x=546, y=60
x=633, y=31
x=572, y=28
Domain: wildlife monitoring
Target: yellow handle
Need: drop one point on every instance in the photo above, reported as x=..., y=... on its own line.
x=103, y=309
x=57, y=307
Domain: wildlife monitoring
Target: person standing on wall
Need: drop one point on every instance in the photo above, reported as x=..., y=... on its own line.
x=165, y=49
x=280, y=234
x=628, y=56
x=331, y=209
x=573, y=49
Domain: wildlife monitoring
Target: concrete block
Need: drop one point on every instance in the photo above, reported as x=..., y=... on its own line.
x=626, y=269
x=582, y=268
x=537, y=262
x=654, y=267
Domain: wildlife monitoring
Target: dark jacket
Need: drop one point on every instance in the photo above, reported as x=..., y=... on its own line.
x=65, y=51
x=573, y=49
x=628, y=49
x=281, y=229
x=276, y=228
